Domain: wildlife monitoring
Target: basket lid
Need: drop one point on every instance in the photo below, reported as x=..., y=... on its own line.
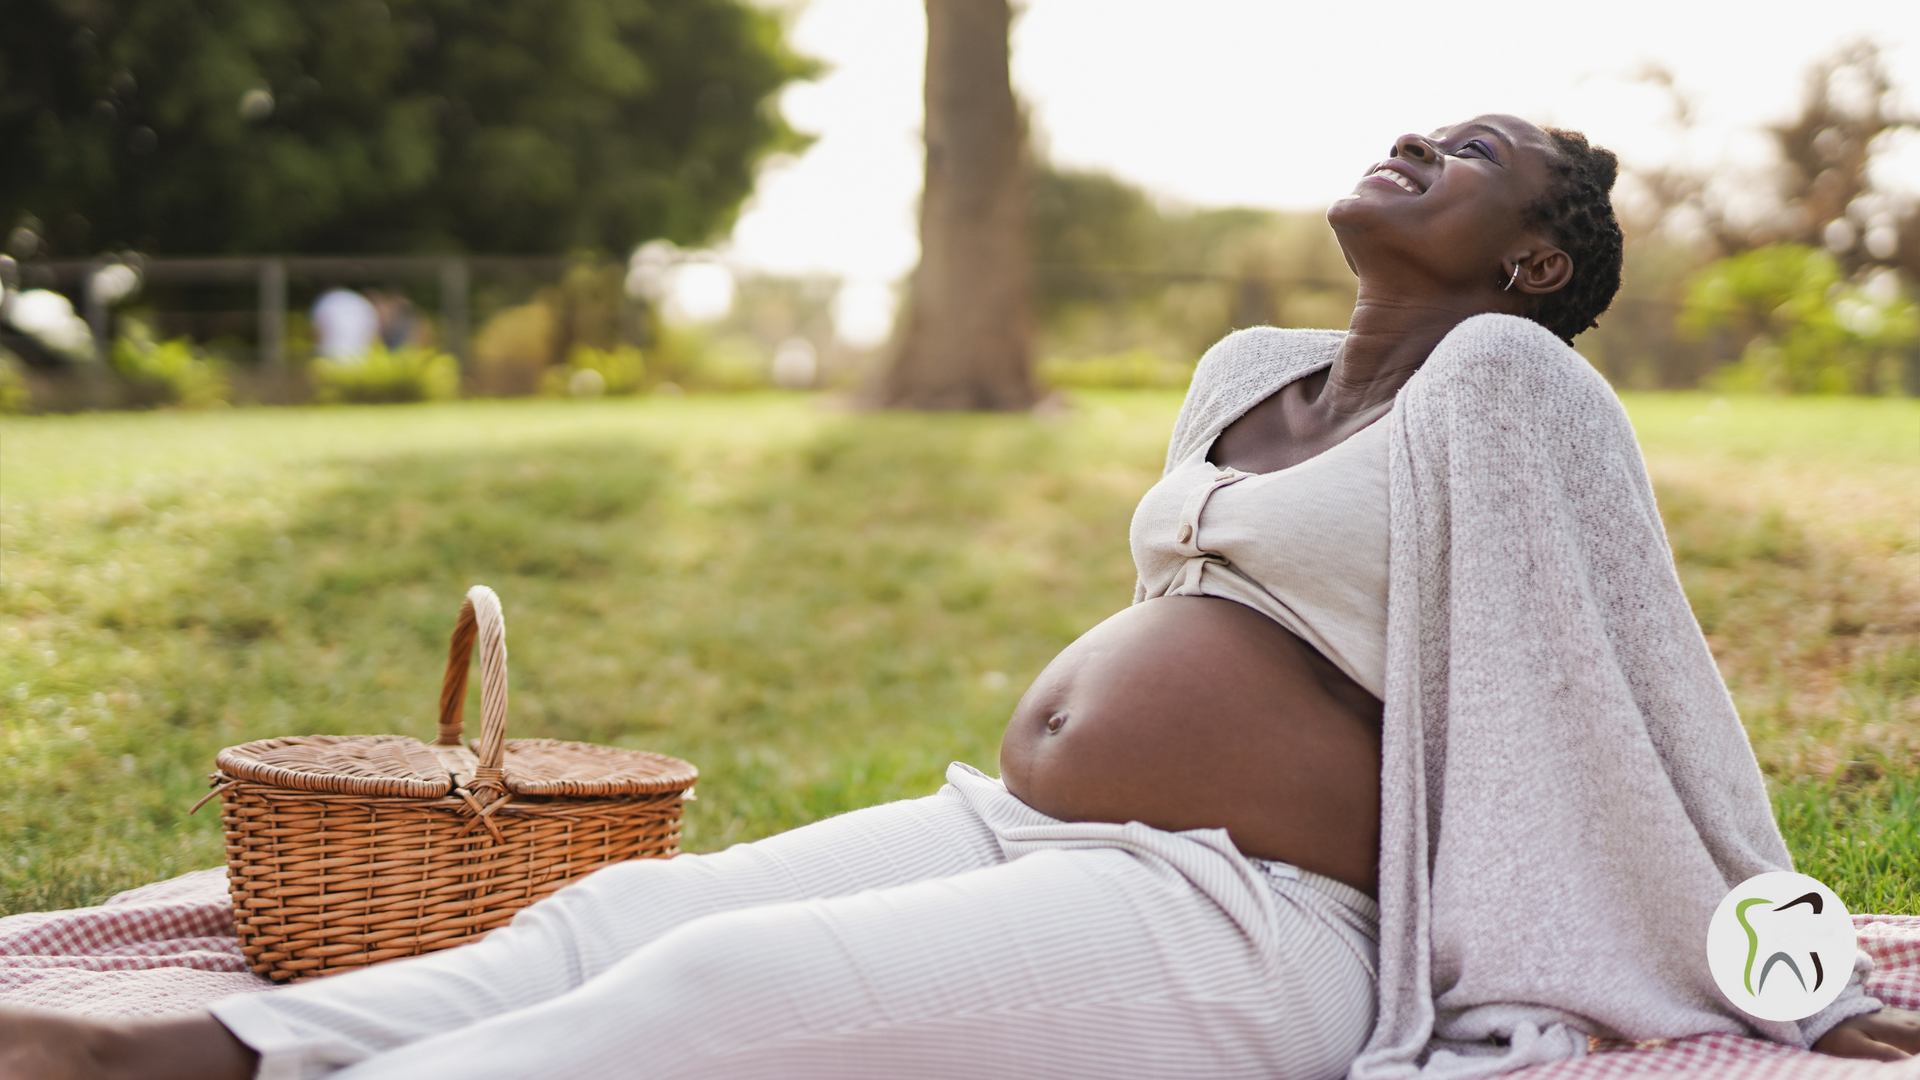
x=400, y=766
x=552, y=767
x=379, y=765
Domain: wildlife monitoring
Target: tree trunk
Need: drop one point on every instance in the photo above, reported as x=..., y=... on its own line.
x=967, y=339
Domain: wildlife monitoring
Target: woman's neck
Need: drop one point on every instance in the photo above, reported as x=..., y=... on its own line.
x=1387, y=341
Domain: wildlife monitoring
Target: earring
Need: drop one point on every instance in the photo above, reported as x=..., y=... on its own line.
x=1514, y=278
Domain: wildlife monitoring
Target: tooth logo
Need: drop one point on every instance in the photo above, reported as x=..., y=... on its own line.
x=1781, y=946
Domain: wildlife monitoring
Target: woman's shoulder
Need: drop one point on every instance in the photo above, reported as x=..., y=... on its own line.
x=1502, y=376
x=1262, y=353
x=1511, y=356
x=1270, y=344
x=1496, y=347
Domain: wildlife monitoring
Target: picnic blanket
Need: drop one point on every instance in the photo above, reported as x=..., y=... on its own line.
x=162, y=948
x=169, y=947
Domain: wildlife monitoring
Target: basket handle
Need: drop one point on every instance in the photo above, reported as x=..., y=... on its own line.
x=480, y=625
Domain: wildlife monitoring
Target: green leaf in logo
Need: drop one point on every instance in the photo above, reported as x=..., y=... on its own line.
x=1753, y=939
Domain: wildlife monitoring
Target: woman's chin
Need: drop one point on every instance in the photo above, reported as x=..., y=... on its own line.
x=1359, y=208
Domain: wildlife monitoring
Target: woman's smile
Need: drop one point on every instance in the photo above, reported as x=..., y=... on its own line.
x=1397, y=174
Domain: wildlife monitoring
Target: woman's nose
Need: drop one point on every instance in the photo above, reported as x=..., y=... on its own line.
x=1415, y=147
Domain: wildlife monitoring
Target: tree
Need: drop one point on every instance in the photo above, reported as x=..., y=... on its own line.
x=1116, y=272
x=1824, y=195
x=234, y=126
x=1830, y=199
x=967, y=338
x=1802, y=329
x=1680, y=218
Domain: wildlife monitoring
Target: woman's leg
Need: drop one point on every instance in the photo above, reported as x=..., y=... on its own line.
x=1061, y=964
x=581, y=931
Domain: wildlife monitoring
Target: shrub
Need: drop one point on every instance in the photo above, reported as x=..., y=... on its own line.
x=591, y=372
x=14, y=397
x=513, y=352
x=1135, y=369
x=534, y=347
x=731, y=362
x=1802, y=328
x=386, y=375
x=694, y=358
x=168, y=372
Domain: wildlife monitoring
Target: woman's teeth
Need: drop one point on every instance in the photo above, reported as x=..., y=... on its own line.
x=1397, y=177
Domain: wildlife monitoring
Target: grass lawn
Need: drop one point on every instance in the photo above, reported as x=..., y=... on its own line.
x=819, y=609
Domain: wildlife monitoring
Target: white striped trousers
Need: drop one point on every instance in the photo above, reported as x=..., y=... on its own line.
x=963, y=935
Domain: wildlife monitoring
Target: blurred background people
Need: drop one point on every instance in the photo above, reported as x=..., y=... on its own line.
x=397, y=321
x=345, y=324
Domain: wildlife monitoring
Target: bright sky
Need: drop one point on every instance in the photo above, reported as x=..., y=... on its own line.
x=1264, y=103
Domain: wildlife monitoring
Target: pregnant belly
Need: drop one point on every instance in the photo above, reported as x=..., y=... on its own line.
x=1190, y=712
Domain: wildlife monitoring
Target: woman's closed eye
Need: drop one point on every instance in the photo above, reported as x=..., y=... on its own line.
x=1477, y=148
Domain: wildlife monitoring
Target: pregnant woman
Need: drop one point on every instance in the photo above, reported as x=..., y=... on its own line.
x=1408, y=756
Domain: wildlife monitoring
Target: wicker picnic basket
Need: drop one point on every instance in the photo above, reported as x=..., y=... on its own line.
x=347, y=850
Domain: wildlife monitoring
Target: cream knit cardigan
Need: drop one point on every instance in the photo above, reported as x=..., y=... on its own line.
x=1566, y=790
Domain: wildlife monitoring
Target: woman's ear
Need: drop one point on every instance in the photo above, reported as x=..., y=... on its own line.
x=1545, y=270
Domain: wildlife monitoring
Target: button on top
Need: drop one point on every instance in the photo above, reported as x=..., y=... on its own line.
x=1185, y=534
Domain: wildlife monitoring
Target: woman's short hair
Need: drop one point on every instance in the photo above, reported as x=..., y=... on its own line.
x=1577, y=211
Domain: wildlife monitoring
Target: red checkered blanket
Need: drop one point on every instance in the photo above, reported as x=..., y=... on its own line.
x=161, y=948
x=169, y=947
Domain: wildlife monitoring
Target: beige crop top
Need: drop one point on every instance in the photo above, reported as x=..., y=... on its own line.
x=1306, y=546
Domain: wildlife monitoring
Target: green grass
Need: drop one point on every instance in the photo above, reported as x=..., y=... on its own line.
x=820, y=609
x=1862, y=840
x=1796, y=526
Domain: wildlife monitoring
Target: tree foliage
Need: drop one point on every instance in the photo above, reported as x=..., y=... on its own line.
x=214, y=126
x=1091, y=219
x=1818, y=194
x=1824, y=195
x=1846, y=115
x=1117, y=273
x=1804, y=329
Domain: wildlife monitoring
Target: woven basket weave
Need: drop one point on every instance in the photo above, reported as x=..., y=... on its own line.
x=344, y=851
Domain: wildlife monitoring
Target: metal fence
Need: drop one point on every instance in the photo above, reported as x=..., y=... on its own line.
x=270, y=274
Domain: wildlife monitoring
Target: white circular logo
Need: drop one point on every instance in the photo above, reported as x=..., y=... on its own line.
x=1781, y=946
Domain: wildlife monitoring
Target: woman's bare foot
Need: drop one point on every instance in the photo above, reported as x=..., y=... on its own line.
x=36, y=1044
x=1887, y=1035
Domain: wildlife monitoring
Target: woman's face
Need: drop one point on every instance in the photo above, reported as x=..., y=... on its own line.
x=1450, y=206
